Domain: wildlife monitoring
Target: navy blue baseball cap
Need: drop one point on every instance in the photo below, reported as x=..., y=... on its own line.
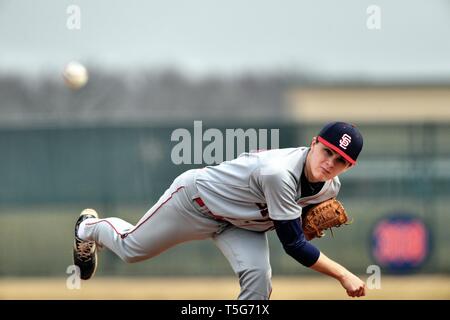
x=342, y=137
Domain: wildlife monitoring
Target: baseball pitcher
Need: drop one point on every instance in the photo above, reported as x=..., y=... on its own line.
x=234, y=204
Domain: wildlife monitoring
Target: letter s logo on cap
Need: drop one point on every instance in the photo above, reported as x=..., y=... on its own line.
x=345, y=141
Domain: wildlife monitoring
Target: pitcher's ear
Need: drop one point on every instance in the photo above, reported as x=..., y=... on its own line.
x=348, y=167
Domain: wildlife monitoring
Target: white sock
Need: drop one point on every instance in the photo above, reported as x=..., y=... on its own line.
x=82, y=228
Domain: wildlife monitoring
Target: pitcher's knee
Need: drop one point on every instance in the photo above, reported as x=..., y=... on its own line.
x=257, y=280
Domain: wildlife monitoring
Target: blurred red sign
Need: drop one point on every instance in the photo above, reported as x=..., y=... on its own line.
x=400, y=242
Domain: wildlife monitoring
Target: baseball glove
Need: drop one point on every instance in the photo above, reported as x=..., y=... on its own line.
x=324, y=215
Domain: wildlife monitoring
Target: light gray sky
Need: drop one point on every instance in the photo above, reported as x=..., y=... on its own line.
x=328, y=37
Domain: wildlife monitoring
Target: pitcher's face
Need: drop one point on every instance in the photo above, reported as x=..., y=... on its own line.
x=324, y=163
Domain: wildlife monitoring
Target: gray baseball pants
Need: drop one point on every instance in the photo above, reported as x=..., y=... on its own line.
x=177, y=218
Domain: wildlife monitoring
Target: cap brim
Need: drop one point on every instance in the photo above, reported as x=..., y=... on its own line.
x=336, y=149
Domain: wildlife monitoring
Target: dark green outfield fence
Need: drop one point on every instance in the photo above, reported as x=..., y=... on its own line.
x=47, y=175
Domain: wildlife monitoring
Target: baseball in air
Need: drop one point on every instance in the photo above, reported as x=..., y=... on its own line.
x=75, y=75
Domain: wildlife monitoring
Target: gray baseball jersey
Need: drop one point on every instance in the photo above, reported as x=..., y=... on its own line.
x=257, y=187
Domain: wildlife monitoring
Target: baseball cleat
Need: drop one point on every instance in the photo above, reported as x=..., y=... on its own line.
x=85, y=252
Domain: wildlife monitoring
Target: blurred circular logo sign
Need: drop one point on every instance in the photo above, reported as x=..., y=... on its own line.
x=400, y=243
